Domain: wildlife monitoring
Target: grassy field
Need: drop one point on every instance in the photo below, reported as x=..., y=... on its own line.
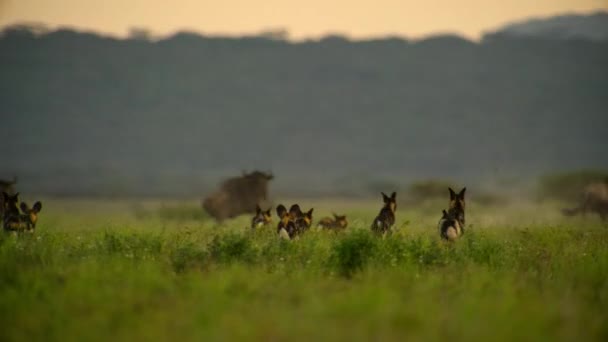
x=124, y=270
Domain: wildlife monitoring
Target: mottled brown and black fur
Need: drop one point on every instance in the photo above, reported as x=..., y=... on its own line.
x=304, y=221
x=295, y=212
x=262, y=218
x=286, y=227
x=457, y=205
x=449, y=227
x=238, y=195
x=337, y=222
x=451, y=224
x=593, y=200
x=386, y=218
x=29, y=216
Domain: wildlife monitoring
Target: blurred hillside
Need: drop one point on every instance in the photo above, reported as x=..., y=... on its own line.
x=86, y=114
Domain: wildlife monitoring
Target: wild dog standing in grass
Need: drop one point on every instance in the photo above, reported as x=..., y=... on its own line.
x=594, y=199
x=386, y=218
x=304, y=221
x=286, y=227
x=451, y=224
x=457, y=205
x=30, y=215
x=449, y=227
x=261, y=218
x=338, y=222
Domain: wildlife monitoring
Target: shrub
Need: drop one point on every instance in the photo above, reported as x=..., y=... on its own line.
x=232, y=247
x=568, y=185
x=352, y=252
x=429, y=189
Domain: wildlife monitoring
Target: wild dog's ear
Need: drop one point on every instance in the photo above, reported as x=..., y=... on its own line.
x=461, y=193
x=452, y=194
x=384, y=197
x=37, y=207
x=16, y=197
x=258, y=210
x=445, y=214
x=24, y=208
x=309, y=213
x=268, y=212
x=281, y=210
x=335, y=215
x=394, y=196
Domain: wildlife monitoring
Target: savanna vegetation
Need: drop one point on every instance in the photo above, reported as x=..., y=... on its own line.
x=101, y=270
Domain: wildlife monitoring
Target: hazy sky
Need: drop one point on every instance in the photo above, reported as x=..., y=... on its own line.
x=304, y=18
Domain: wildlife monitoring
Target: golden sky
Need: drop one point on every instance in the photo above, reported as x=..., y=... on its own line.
x=304, y=18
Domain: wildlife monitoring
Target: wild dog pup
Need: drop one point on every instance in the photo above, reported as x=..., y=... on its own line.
x=386, y=218
x=261, y=217
x=12, y=217
x=29, y=216
x=338, y=222
x=457, y=205
x=286, y=227
x=449, y=227
x=304, y=221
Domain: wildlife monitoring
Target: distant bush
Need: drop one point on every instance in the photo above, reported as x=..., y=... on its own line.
x=568, y=185
x=232, y=247
x=429, y=189
x=352, y=253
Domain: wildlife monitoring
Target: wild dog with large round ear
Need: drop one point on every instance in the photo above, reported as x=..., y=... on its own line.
x=386, y=218
x=261, y=217
x=30, y=215
x=457, y=205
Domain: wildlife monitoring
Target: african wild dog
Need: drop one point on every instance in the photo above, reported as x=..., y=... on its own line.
x=338, y=222
x=304, y=221
x=295, y=212
x=449, y=227
x=261, y=218
x=594, y=199
x=30, y=215
x=386, y=218
x=451, y=224
x=286, y=227
x=457, y=205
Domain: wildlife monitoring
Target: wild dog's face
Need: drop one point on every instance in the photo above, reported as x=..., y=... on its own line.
x=307, y=217
x=262, y=217
x=457, y=204
x=341, y=220
x=457, y=199
x=295, y=212
x=390, y=202
x=10, y=203
x=31, y=213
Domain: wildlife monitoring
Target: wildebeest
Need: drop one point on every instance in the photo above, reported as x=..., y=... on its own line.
x=238, y=195
x=594, y=199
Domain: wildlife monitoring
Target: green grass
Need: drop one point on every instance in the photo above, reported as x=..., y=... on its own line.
x=115, y=270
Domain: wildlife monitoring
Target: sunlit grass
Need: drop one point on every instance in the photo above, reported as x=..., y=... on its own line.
x=156, y=270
